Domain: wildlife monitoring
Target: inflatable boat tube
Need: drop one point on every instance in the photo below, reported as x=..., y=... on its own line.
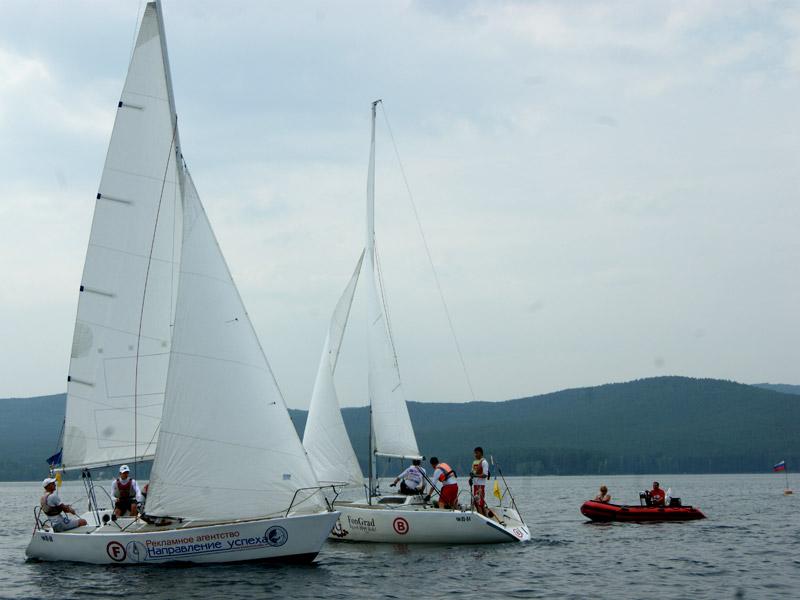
x=600, y=511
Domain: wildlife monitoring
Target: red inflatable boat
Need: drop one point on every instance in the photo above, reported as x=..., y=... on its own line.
x=600, y=511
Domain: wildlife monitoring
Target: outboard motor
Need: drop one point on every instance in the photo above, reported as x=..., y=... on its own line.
x=644, y=498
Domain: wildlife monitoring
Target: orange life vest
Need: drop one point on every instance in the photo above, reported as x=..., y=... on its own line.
x=446, y=471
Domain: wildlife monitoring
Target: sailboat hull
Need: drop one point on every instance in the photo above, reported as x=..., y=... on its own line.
x=415, y=524
x=289, y=539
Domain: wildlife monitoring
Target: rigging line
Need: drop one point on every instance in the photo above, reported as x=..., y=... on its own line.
x=144, y=293
x=386, y=312
x=152, y=439
x=428, y=254
x=135, y=29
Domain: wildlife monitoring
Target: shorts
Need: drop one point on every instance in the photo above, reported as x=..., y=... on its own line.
x=124, y=504
x=479, y=495
x=404, y=489
x=64, y=522
x=449, y=494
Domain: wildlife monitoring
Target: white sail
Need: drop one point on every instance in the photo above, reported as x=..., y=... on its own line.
x=325, y=437
x=392, y=432
x=227, y=448
x=122, y=338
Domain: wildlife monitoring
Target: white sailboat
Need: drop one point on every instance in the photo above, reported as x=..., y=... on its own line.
x=166, y=366
x=384, y=518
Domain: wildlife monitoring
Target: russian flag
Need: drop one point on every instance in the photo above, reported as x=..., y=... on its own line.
x=781, y=466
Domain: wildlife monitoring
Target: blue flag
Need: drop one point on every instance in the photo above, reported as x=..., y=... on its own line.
x=55, y=460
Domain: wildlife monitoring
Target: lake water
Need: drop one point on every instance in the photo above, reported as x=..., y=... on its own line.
x=749, y=547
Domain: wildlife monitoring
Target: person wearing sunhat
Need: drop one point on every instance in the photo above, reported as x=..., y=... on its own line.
x=57, y=512
x=126, y=493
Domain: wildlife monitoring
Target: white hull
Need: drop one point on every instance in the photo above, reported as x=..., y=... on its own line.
x=416, y=524
x=293, y=538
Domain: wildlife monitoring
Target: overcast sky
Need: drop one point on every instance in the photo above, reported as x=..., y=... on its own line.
x=609, y=190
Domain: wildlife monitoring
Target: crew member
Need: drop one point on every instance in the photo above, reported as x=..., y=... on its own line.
x=412, y=480
x=445, y=477
x=603, y=495
x=126, y=493
x=477, y=479
x=57, y=512
x=656, y=495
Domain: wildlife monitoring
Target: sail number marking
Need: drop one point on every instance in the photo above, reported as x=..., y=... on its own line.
x=400, y=526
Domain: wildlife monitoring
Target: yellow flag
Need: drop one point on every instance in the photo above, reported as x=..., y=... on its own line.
x=58, y=479
x=496, y=490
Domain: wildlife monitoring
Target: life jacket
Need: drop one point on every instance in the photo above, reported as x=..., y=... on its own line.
x=50, y=511
x=124, y=488
x=446, y=471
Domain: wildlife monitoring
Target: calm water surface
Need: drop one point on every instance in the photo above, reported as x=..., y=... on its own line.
x=749, y=547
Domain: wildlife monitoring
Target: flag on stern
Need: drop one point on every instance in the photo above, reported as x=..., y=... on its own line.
x=496, y=490
x=781, y=466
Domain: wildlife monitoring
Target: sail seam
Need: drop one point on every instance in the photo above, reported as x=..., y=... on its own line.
x=226, y=360
x=142, y=175
x=146, y=96
x=226, y=443
x=136, y=254
x=103, y=326
x=111, y=406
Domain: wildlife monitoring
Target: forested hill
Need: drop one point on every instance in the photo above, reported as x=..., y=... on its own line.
x=658, y=425
x=780, y=387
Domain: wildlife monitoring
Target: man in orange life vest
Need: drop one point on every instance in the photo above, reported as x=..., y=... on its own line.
x=53, y=507
x=444, y=475
x=126, y=493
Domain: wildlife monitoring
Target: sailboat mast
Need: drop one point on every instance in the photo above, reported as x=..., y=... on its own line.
x=370, y=268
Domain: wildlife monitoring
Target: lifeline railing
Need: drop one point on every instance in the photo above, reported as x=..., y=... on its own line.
x=316, y=490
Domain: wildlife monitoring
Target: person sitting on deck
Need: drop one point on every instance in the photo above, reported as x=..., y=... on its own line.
x=444, y=475
x=412, y=480
x=656, y=495
x=603, y=496
x=126, y=493
x=57, y=512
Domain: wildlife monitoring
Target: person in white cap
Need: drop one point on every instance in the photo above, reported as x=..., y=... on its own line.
x=126, y=493
x=57, y=512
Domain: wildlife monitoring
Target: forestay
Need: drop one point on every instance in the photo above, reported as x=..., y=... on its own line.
x=227, y=448
x=122, y=338
x=325, y=438
x=392, y=432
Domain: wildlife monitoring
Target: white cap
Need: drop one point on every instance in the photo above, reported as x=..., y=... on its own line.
x=48, y=481
x=124, y=469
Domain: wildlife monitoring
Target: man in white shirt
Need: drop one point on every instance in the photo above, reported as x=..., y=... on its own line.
x=57, y=512
x=126, y=493
x=412, y=480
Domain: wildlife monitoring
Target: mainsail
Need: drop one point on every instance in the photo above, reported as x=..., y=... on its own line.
x=392, y=433
x=121, y=344
x=325, y=437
